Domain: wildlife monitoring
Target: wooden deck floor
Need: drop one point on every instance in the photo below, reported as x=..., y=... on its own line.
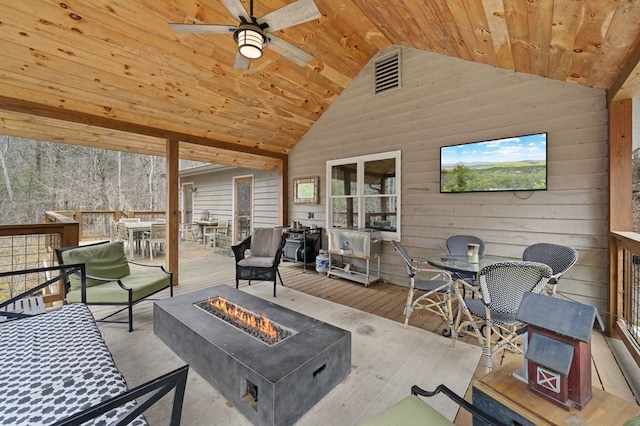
x=200, y=268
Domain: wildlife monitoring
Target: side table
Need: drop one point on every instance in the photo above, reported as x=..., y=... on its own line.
x=512, y=402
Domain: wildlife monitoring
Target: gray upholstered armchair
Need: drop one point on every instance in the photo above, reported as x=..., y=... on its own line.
x=265, y=246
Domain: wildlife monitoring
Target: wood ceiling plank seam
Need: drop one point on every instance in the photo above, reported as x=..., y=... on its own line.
x=593, y=23
x=477, y=21
x=562, y=41
x=380, y=16
x=618, y=43
x=450, y=19
x=497, y=23
x=363, y=24
x=337, y=44
x=466, y=30
x=518, y=23
x=450, y=41
x=540, y=15
x=427, y=34
x=449, y=14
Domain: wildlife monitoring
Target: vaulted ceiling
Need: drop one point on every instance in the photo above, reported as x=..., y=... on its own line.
x=111, y=73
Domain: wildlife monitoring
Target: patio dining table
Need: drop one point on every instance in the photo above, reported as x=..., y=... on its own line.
x=202, y=224
x=133, y=228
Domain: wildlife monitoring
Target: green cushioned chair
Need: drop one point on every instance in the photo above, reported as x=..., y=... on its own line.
x=109, y=280
x=412, y=410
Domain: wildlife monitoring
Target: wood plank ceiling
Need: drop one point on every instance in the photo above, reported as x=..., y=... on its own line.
x=111, y=73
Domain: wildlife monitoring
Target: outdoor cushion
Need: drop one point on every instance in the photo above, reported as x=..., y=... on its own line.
x=55, y=365
x=104, y=260
x=110, y=292
x=265, y=242
x=409, y=411
x=257, y=261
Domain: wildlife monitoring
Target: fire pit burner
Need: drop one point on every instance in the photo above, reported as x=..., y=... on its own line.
x=256, y=325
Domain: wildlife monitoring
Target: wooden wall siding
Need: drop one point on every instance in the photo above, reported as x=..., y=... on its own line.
x=215, y=194
x=445, y=101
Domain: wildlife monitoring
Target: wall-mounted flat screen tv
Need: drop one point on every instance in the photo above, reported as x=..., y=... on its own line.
x=516, y=163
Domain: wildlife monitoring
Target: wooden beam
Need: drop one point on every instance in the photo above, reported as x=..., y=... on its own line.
x=173, y=217
x=630, y=64
x=33, y=108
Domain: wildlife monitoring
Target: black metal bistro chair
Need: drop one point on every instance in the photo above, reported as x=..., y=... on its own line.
x=559, y=258
x=436, y=288
x=502, y=286
x=457, y=244
x=265, y=247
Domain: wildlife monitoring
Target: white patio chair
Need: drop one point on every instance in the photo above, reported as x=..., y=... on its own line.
x=155, y=238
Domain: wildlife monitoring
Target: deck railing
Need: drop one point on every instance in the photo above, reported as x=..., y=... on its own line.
x=33, y=246
x=624, y=293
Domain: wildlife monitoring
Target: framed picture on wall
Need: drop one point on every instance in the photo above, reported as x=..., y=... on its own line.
x=305, y=190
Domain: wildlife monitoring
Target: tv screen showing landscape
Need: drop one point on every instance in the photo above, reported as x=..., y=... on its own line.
x=516, y=163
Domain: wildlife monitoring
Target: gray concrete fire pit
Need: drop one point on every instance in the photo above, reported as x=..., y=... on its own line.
x=269, y=384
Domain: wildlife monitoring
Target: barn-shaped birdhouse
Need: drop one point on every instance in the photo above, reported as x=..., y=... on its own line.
x=558, y=352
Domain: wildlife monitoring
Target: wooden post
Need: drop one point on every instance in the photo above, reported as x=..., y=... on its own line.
x=172, y=216
x=620, y=193
x=283, y=216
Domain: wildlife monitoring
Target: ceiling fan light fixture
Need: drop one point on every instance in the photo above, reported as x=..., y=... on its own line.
x=250, y=41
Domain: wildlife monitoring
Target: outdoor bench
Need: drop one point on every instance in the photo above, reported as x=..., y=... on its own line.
x=57, y=369
x=109, y=280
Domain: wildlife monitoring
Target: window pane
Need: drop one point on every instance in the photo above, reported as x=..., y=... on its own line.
x=381, y=213
x=344, y=179
x=380, y=177
x=345, y=212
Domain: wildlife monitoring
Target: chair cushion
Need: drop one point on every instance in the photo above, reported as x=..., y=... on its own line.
x=104, y=260
x=265, y=242
x=257, y=262
x=143, y=285
x=409, y=411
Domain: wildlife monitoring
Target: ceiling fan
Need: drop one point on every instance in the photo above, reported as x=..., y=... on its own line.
x=254, y=34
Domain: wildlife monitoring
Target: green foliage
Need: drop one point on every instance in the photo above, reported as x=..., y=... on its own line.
x=496, y=177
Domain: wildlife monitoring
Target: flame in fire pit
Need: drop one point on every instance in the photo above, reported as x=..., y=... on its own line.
x=256, y=325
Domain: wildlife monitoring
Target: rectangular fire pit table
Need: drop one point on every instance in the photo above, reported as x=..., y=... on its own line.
x=269, y=385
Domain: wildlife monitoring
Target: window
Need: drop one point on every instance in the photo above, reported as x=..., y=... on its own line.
x=364, y=192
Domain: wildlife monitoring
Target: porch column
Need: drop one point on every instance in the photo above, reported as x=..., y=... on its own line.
x=283, y=208
x=620, y=194
x=172, y=215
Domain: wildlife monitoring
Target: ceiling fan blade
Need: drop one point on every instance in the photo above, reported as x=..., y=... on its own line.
x=295, y=13
x=241, y=62
x=202, y=28
x=289, y=51
x=236, y=8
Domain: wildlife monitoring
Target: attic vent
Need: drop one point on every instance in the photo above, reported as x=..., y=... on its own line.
x=387, y=73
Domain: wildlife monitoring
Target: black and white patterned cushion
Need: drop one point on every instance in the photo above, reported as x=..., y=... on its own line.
x=55, y=365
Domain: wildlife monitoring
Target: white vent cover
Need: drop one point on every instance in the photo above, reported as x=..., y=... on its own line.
x=387, y=73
